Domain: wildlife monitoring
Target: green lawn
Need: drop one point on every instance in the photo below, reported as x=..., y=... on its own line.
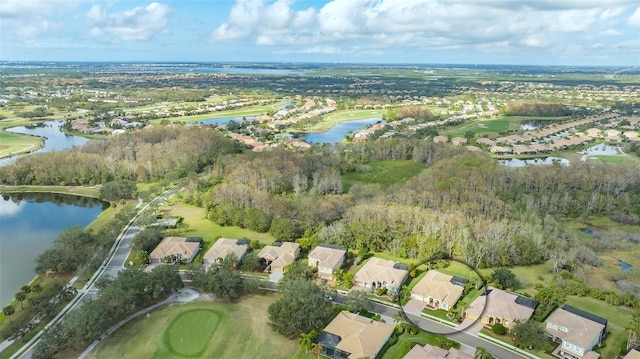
x=495, y=125
x=197, y=225
x=201, y=329
x=11, y=144
x=384, y=173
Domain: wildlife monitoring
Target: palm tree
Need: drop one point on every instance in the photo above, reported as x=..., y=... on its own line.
x=399, y=317
x=8, y=311
x=36, y=288
x=316, y=349
x=26, y=289
x=634, y=330
x=306, y=341
x=20, y=297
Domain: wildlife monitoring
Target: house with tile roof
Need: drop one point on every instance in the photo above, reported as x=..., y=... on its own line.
x=438, y=290
x=224, y=247
x=432, y=352
x=353, y=336
x=577, y=332
x=280, y=255
x=326, y=259
x=499, y=306
x=177, y=248
x=381, y=273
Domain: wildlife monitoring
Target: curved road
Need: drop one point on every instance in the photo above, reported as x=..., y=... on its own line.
x=109, y=268
x=434, y=327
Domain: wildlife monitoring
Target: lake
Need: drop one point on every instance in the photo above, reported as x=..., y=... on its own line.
x=339, y=131
x=56, y=140
x=29, y=222
x=601, y=150
x=541, y=161
x=223, y=120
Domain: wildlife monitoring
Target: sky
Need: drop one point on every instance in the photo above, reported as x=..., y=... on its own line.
x=519, y=32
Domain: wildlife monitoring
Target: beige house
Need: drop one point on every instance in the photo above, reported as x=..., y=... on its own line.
x=499, y=306
x=277, y=257
x=222, y=248
x=380, y=273
x=438, y=290
x=633, y=354
x=457, y=141
x=326, y=260
x=431, y=352
x=576, y=330
x=183, y=248
x=353, y=336
x=486, y=141
x=440, y=139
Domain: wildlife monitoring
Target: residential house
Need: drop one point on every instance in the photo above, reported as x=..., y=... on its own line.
x=353, y=336
x=500, y=150
x=280, y=255
x=457, y=141
x=633, y=354
x=224, y=247
x=381, y=273
x=438, y=290
x=432, y=352
x=440, y=139
x=176, y=249
x=486, y=141
x=576, y=330
x=326, y=260
x=499, y=306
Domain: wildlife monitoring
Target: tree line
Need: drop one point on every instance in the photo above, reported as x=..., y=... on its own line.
x=167, y=152
x=131, y=290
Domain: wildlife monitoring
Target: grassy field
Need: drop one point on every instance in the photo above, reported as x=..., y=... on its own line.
x=337, y=117
x=384, y=173
x=197, y=225
x=202, y=329
x=493, y=126
x=11, y=144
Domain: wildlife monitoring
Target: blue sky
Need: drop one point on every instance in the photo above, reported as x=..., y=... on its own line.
x=539, y=32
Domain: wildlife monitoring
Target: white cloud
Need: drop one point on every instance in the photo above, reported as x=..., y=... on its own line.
x=139, y=23
x=634, y=20
x=492, y=25
x=611, y=32
x=33, y=18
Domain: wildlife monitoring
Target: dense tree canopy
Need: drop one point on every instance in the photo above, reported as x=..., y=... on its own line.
x=301, y=309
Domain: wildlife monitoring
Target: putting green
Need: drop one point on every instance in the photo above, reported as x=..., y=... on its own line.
x=190, y=332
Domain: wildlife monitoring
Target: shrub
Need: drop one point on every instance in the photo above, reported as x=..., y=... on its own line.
x=499, y=329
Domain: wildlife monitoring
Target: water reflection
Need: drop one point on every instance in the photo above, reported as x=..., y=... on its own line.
x=541, y=161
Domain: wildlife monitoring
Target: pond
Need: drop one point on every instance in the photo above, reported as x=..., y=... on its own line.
x=534, y=124
x=338, y=132
x=541, y=161
x=624, y=265
x=601, y=150
x=223, y=120
x=56, y=140
x=29, y=222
